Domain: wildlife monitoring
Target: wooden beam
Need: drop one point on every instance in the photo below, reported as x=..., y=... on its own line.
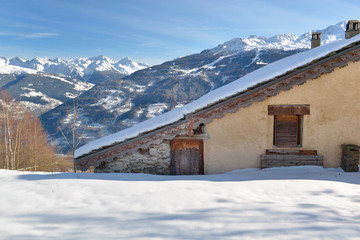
x=299, y=109
x=277, y=160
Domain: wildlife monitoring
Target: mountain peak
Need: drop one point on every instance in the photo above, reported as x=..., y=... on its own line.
x=17, y=59
x=126, y=61
x=101, y=58
x=337, y=29
x=40, y=59
x=282, y=41
x=57, y=60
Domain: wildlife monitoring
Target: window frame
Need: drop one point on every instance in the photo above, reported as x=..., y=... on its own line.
x=298, y=110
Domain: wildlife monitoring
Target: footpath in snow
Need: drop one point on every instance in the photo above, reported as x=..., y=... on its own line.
x=277, y=203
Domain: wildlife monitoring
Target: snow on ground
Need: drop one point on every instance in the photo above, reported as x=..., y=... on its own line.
x=78, y=85
x=82, y=86
x=32, y=93
x=111, y=101
x=136, y=88
x=38, y=109
x=278, y=203
x=156, y=109
x=34, y=107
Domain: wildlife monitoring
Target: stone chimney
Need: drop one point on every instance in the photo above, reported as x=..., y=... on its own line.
x=315, y=39
x=352, y=29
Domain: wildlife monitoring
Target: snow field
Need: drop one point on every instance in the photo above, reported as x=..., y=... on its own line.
x=278, y=203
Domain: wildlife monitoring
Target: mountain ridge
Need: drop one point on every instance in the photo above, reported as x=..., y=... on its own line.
x=41, y=84
x=285, y=41
x=78, y=68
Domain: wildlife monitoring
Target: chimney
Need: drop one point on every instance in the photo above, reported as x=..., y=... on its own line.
x=315, y=39
x=352, y=29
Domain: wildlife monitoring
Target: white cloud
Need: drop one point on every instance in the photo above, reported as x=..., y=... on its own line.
x=20, y=36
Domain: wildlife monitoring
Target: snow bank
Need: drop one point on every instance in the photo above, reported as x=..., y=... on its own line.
x=278, y=203
x=261, y=75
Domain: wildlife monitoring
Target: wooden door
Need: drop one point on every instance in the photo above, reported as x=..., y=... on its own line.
x=187, y=157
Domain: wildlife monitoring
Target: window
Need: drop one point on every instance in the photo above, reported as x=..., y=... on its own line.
x=316, y=36
x=200, y=129
x=288, y=124
x=355, y=26
x=287, y=130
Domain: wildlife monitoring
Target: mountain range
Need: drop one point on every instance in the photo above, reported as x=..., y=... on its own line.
x=85, y=69
x=42, y=84
x=116, y=102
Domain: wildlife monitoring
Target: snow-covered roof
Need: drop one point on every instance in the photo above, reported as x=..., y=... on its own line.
x=259, y=76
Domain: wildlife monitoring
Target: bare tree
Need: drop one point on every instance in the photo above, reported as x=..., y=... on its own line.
x=72, y=127
x=23, y=143
x=8, y=117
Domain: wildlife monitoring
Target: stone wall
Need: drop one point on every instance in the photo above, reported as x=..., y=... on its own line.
x=154, y=160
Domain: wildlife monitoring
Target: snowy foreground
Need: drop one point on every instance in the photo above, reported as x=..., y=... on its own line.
x=278, y=203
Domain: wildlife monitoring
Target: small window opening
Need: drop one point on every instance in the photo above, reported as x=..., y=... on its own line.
x=355, y=26
x=315, y=36
x=200, y=129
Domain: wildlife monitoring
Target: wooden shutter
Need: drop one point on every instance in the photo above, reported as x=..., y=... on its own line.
x=287, y=129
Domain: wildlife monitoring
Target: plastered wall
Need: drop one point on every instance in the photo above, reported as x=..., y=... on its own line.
x=238, y=139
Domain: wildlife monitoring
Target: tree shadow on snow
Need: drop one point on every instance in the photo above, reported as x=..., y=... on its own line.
x=207, y=223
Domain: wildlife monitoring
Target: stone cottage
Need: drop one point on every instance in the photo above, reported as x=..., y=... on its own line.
x=296, y=111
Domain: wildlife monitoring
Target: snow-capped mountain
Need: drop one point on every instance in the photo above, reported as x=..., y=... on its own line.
x=5, y=68
x=42, y=84
x=113, y=105
x=283, y=41
x=39, y=91
x=81, y=68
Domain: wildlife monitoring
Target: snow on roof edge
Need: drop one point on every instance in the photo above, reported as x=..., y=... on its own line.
x=258, y=76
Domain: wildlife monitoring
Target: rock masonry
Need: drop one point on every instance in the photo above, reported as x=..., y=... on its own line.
x=154, y=160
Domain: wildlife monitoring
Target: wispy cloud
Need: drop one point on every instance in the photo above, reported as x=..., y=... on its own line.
x=21, y=36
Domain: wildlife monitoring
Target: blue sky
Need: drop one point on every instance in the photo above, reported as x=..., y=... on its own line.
x=153, y=31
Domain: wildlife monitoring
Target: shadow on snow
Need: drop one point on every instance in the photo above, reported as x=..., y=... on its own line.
x=204, y=224
x=250, y=174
